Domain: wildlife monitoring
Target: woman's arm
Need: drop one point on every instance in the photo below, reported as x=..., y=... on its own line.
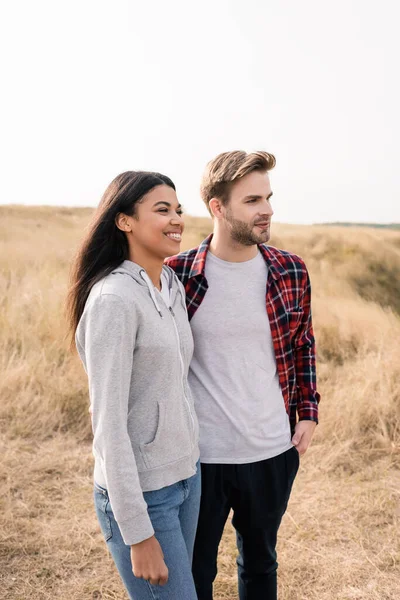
x=109, y=331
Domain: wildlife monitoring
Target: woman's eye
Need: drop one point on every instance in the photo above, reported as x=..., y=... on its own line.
x=165, y=211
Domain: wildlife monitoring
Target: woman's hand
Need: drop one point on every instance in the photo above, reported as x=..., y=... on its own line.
x=148, y=561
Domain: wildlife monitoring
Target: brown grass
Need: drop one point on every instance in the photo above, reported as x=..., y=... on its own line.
x=340, y=536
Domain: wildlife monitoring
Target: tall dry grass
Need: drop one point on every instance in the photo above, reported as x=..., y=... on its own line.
x=340, y=536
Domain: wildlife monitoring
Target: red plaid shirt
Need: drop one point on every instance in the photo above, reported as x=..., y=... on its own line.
x=288, y=303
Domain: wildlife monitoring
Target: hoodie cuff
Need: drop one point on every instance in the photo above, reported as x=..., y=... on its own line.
x=136, y=529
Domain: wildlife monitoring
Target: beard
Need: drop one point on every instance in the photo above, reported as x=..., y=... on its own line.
x=243, y=233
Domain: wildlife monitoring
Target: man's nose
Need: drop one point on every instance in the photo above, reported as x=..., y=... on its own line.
x=267, y=208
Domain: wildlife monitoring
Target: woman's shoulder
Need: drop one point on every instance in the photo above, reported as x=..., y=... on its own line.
x=114, y=288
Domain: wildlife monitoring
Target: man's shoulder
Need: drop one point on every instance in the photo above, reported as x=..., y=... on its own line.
x=187, y=255
x=285, y=259
x=182, y=263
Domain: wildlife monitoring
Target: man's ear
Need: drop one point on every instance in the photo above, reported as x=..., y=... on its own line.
x=216, y=207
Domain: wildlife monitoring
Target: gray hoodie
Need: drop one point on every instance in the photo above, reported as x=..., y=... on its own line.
x=136, y=352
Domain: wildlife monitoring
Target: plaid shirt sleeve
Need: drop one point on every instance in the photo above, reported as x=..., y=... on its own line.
x=304, y=351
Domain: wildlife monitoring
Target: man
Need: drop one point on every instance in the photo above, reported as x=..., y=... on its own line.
x=252, y=374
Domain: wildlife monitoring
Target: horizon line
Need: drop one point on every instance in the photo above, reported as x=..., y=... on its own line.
x=199, y=216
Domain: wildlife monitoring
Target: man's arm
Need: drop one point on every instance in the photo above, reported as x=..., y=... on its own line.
x=306, y=380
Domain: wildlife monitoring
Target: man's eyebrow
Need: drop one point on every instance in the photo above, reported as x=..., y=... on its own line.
x=257, y=197
x=168, y=204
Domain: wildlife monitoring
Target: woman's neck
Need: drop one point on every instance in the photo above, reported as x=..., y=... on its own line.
x=151, y=264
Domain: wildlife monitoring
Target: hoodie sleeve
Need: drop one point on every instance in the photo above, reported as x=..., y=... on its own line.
x=109, y=332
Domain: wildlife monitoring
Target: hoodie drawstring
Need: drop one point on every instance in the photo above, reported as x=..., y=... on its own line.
x=150, y=285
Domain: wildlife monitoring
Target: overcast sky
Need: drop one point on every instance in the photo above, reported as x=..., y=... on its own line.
x=92, y=88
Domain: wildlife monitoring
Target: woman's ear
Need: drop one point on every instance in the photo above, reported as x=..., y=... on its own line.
x=122, y=222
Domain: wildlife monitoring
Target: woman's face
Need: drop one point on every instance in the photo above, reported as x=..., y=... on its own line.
x=156, y=229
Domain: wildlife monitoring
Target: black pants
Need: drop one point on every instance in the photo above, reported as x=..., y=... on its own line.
x=258, y=493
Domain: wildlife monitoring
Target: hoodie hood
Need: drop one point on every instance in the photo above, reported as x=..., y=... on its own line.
x=139, y=274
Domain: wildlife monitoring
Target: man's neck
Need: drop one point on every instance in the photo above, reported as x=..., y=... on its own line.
x=223, y=247
x=152, y=266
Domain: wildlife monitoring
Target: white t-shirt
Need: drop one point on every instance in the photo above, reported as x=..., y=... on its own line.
x=165, y=291
x=233, y=374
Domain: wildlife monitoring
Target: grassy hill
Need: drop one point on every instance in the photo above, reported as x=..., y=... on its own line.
x=373, y=225
x=340, y=538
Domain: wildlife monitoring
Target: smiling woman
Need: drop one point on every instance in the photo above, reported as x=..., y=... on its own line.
x=128, y=316
x=154, y=230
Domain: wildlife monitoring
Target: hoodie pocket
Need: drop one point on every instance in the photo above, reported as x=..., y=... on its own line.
x=174, y=438
x=145, y=449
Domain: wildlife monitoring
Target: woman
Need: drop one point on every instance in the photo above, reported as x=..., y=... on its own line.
x=128, y=314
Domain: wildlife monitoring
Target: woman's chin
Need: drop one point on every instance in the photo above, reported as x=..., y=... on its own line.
x=171, y=248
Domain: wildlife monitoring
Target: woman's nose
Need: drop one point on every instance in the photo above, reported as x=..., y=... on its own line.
x=177, y=218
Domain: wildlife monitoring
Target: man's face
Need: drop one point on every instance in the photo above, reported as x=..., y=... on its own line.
x=248, y=212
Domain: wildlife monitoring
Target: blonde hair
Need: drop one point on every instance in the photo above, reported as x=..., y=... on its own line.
x=222, y=172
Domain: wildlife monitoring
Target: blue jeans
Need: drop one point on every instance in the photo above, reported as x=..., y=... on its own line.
x=173, y=511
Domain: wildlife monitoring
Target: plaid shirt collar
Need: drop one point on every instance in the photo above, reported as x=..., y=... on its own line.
x=199, y=262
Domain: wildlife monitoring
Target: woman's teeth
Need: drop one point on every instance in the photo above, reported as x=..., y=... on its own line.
x=174, y=236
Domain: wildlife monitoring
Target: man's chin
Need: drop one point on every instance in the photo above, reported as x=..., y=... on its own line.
x=263, y=237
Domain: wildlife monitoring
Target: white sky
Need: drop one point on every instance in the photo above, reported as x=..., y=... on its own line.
x=91, y=88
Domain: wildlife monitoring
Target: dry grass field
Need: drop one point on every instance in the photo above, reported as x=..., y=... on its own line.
x=340, y=539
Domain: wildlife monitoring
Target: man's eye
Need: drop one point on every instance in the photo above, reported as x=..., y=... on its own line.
x=251, y=201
